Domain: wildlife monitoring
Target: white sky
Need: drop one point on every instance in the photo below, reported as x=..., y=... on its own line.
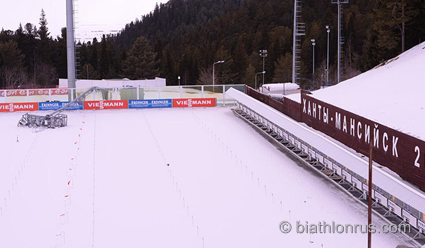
x=92, y=15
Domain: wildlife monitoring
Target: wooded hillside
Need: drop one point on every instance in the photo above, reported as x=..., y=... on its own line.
x=185, y=37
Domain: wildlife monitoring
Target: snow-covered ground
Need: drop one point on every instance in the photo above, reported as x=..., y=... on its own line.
x=391, y=94
x=163, y=178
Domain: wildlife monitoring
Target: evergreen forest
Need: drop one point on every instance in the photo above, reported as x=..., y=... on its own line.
x=184, y=38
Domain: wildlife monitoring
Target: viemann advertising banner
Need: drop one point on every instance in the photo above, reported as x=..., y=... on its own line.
x=113, y=104
x=140, y=104
x=12, y=107
x=195, y=102
x=57, y=105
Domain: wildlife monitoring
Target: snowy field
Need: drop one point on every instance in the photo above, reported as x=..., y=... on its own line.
x=103, y=181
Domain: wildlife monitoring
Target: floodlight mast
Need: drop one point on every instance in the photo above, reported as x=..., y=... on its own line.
x=299, y=30
x=339, y=2
x=70, y=47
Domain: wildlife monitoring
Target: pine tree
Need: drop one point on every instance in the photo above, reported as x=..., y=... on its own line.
x=249, y=76
x=168, y=66
x=140, y=63
x=240, y=60
x=60, y=58
x=88, y=72
x=392, y=17
x=43, y=47
x=159, y=48
x=43, y=31
x=12, y=74
x=104, y=62
x=283, y=69
x=225, y=75
x=94, y=58
x=10, y=54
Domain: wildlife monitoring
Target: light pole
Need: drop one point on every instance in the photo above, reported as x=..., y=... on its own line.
x=327, y=61
x=263, y=54
x=218, y=62
x=178, y=79
x=313, y=42
x=263, y=72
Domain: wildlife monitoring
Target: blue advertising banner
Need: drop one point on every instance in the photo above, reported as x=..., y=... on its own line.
x=160, y=103
x=74, y=106
x=57, y=105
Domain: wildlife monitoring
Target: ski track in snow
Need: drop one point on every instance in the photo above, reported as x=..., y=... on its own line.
x=103, y=181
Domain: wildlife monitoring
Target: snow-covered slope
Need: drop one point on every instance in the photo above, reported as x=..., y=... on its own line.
x=392, y=94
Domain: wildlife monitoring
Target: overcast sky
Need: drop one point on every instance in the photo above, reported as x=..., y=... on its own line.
x=92, y=15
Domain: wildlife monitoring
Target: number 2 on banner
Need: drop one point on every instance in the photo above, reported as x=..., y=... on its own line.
x=418, y=151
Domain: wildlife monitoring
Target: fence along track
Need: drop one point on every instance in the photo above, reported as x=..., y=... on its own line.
x=339, y=175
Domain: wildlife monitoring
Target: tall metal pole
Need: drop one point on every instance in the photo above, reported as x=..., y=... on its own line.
x=294, y=42
x=339, y=41
x=70, y=45
x=327, y=61
x=369, y=212
x=213, y=75
x=313, y=42
x=256, y=75
x=264, y=66
x=263, y=54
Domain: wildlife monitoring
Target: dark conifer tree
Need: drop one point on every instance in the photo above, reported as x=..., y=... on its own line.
x=104, y=62
x=94, y=58
x=140, y=63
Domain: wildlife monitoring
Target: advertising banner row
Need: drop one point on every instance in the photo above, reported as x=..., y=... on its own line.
x=44, y=92
x=113, y=104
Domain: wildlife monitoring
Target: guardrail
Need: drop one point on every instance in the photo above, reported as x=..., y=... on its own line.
x=388, y=206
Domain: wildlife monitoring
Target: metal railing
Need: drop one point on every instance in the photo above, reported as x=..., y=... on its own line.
x=128, y=93
x=391, y=208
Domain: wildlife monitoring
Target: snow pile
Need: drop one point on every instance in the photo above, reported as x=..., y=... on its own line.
x=391, y=94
